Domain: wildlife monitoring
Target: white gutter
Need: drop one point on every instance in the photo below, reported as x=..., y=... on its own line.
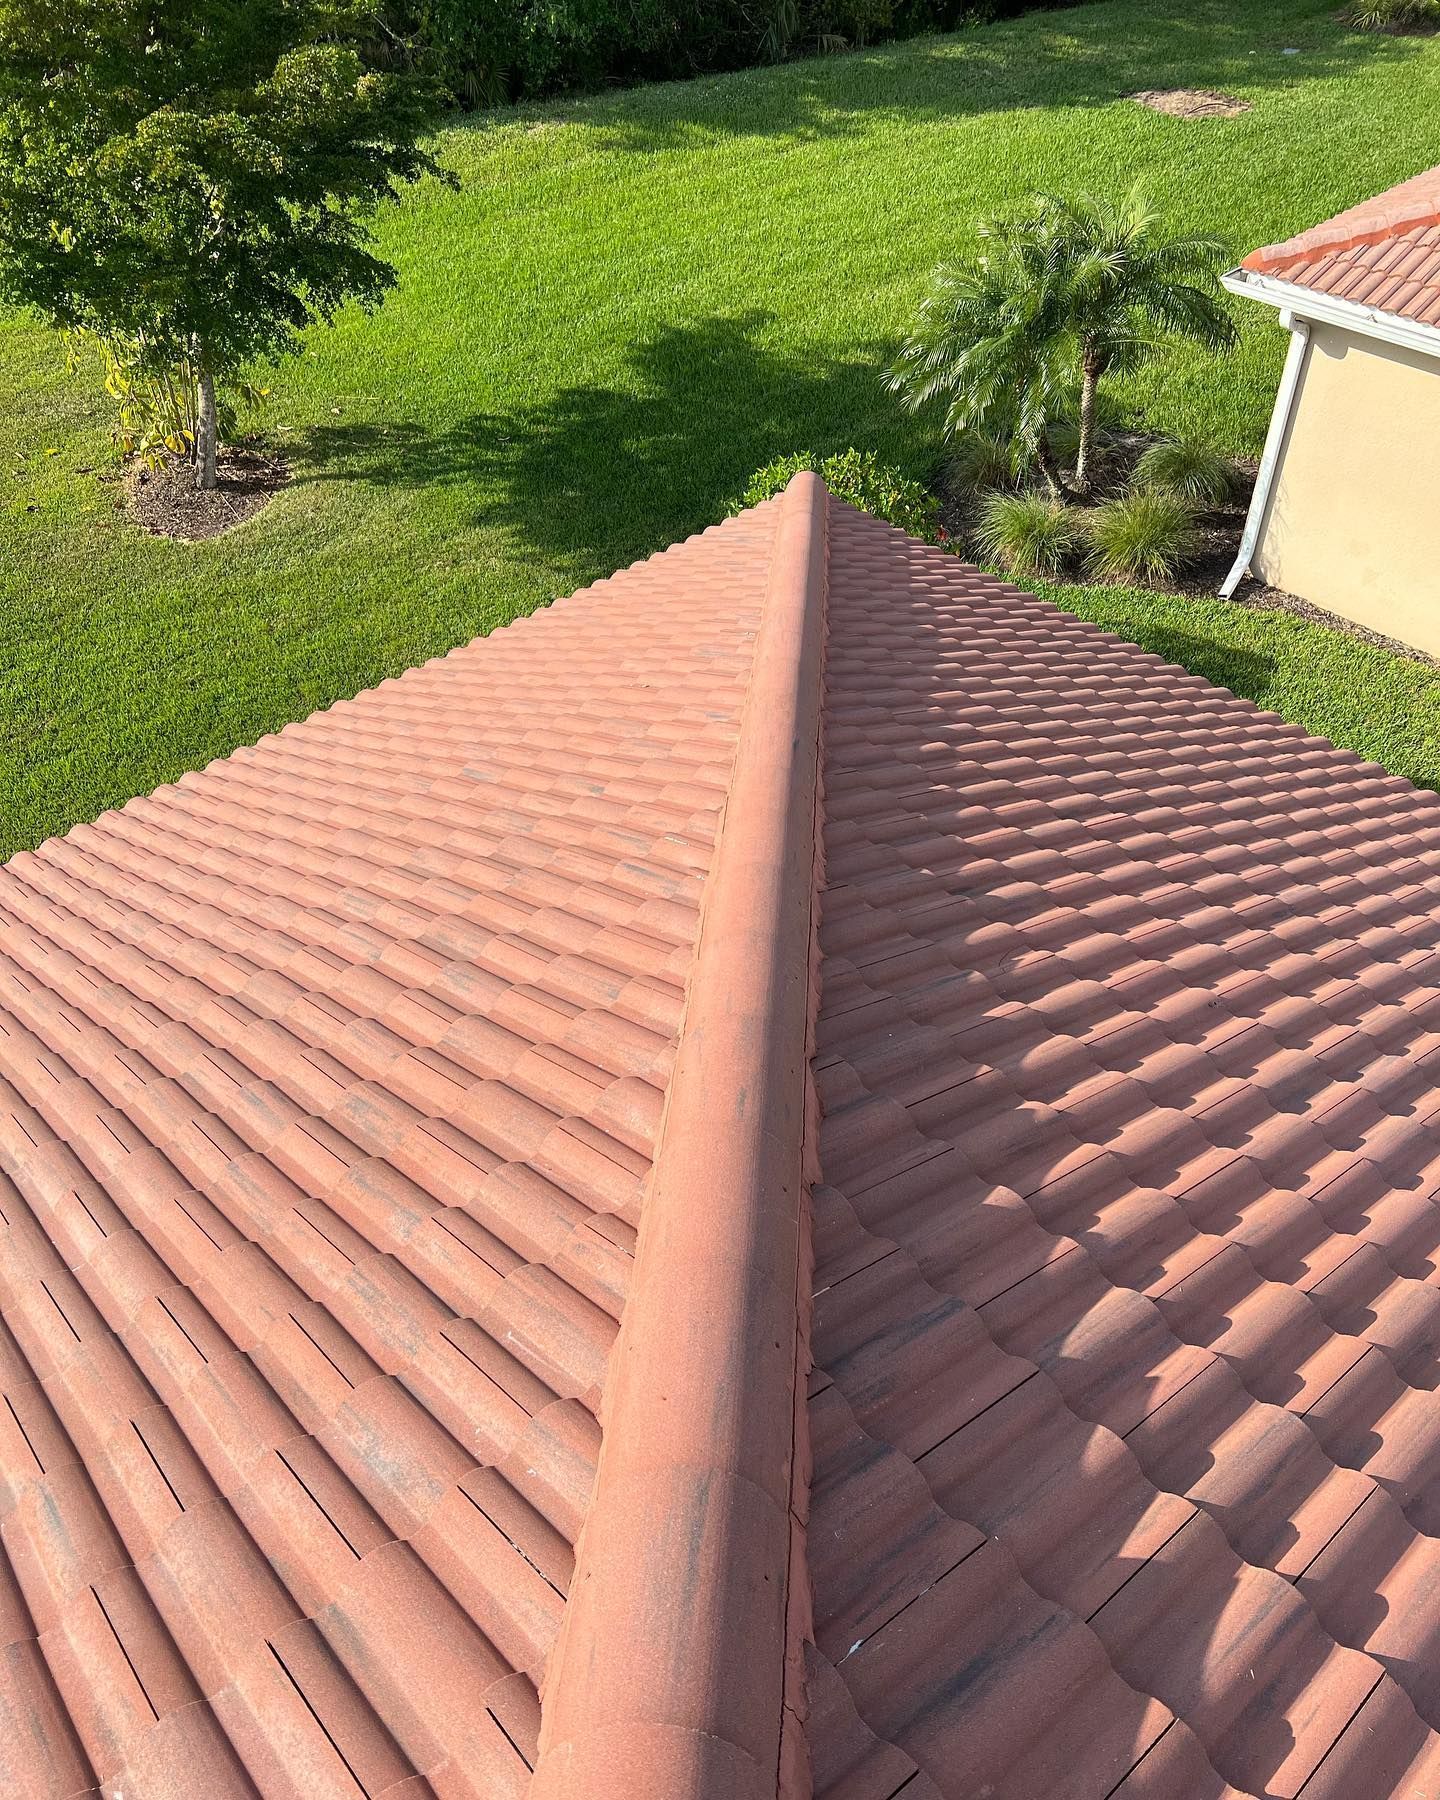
x=1299, y=330
x=1300, y=308
x=1327, y=309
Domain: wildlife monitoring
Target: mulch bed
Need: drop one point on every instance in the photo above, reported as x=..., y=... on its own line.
x=1116, y=454
x=1221, y=534
x=1192, y=103
x=1262, y=598
x=166, y=502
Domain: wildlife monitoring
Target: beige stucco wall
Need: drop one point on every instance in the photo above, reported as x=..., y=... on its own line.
x=1354, y=520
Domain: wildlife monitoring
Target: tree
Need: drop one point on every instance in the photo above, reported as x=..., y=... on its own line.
x=1046, y=303
x=190, y=182
x=987, y=343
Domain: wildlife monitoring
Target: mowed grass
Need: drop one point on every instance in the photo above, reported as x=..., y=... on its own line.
x=1387, y=707
x=633, y=302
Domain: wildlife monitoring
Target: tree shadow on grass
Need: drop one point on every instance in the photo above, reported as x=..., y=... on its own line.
x=1083, y=57
x=1248, y=673
x=594, y=476
x=400, y=453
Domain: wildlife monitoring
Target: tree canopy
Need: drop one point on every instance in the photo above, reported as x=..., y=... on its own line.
x=192, y=180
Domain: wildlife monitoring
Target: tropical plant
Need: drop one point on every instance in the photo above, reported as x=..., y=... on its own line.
x=1065, y=431
x=191, y=183
x=1044, y=304
x=1393, y=15
x=1141, y=537
x=157, y=400
x=984, y=349
x=788, y=27
x=1193, y=469
x=979, y=460
x=1029, y=534
x=857, y=477
x=470, y=44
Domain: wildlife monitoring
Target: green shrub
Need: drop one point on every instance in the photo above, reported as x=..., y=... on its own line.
x=1393, y=15
x=1029, y=534
x=1143, y=537
x=859, y=478
x=1191, y=468
x=980, y=460
x=490, y=51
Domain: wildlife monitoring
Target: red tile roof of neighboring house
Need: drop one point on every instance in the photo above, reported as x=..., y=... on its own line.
x=1383, y=254
x=1027, y=1041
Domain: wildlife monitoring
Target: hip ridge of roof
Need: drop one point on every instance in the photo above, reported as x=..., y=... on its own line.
x=1412, y=206
x=679, y=1668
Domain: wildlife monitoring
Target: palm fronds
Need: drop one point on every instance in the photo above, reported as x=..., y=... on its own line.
x=1047, y=300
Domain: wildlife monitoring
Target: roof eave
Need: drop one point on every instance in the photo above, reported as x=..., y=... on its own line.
x=1330, y=309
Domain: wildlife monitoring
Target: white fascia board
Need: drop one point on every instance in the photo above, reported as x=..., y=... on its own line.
x=1326, y=309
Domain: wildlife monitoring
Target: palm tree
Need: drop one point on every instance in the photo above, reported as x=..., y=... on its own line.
x=1047, y=303
x=986, y=342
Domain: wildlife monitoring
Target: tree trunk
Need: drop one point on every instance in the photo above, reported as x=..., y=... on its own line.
x=206, y=446
x=1049, y=468
x=1091, y=370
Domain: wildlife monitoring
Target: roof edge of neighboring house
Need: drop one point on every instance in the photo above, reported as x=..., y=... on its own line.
x=679, y=1667
x=1412, y=206
x=1329, y=309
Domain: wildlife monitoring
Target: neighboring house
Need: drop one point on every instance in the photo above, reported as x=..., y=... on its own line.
x=1345, y=511
x=799, y=1172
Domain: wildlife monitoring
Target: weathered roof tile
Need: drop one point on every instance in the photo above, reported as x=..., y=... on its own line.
x=267, y=1033
x=351, y=1116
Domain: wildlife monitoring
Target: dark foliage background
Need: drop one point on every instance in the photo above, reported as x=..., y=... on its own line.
x=493, y=51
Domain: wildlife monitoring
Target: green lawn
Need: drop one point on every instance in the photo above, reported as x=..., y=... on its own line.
x=1385, y=706
x=631, y=303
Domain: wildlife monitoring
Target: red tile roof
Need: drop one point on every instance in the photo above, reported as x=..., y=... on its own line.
x=339, y=1078
x=329, y=1084
x=1383, y=254
x=1127, y=1321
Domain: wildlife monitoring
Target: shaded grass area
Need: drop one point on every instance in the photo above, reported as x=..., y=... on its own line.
x=1385, y=706
x=632, y=303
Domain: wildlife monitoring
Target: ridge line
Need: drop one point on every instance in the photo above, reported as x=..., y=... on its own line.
x=677, y=1667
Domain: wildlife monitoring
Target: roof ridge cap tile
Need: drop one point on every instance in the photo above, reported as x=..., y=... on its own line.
x=678, y=1674
x=1412, y=205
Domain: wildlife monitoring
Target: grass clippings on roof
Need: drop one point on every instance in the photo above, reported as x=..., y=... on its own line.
x=607, y=329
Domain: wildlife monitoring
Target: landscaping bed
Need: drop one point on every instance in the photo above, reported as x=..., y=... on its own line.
x=162, y=497
x=1218, y=529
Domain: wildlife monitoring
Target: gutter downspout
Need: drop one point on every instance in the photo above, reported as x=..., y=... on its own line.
x=1299, y=330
